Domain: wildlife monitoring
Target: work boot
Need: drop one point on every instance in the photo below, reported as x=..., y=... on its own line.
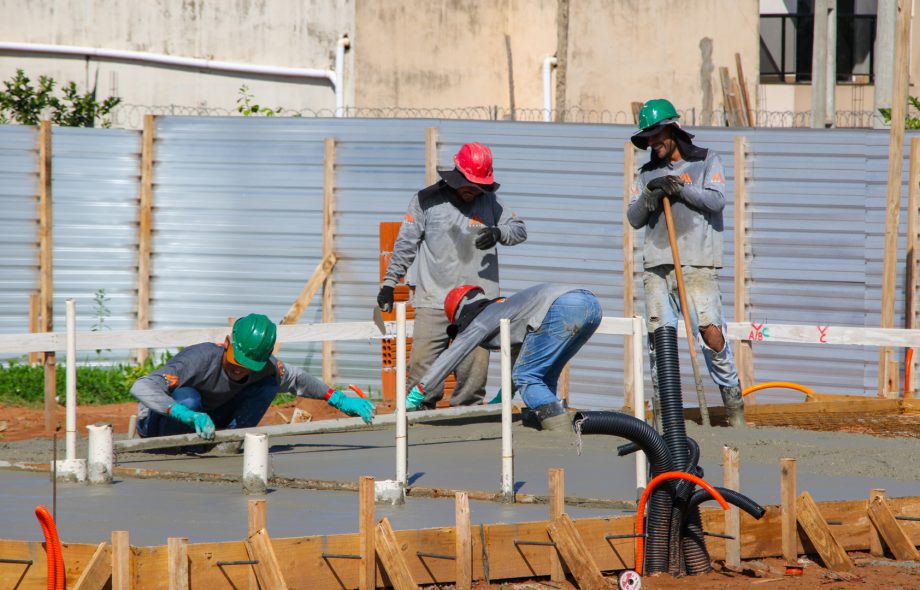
x=552, y=416
x=734, y=405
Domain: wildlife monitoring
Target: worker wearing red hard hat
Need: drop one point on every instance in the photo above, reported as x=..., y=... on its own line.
x=549, y=325
x=451, y=233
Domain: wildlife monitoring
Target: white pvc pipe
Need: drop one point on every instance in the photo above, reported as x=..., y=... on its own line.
x=100, y=453
x=339, y=81
x=638, y=353
x=549, y=62
x=71, y=381
x=507, y=447
x=402, y=448
x=255, y=463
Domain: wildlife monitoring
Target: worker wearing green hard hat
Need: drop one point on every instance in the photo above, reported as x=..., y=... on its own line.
x=230, y=385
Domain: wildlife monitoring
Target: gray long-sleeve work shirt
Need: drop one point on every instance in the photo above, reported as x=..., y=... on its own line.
x=697, y=212
x=439, y=233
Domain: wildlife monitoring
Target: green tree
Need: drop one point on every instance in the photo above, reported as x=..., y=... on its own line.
x=910, y=121
x=24, y=103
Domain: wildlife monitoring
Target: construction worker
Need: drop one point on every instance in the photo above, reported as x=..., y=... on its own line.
x=209, y=386
x=693, y=179
x=549, y=324
x=451, y=232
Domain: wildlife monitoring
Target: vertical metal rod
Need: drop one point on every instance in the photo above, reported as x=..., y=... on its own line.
x=71, y=389
x=638, y=338
x=402, y=450
x=507, y=449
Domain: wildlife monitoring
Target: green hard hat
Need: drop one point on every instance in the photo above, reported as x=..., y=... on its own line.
x=655, y=111
x=253, y=340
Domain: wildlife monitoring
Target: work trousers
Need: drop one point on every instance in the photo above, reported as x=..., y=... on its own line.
x=429, y=340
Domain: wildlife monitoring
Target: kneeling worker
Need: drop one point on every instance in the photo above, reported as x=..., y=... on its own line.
x=229, y=385
x=549, y=324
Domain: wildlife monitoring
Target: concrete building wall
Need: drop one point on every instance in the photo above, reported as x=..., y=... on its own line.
x=290, y=33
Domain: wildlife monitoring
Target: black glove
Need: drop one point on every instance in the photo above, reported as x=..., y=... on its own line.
x=671, y=185
x=488, y=236
x=653, y=200
x=385, y=298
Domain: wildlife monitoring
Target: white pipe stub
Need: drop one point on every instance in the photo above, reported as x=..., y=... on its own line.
x=101, y=455
x=255, y=463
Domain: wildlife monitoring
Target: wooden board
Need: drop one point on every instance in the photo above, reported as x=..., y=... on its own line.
x=576, y=554
x=122, y=577
x=464, y=542
x=788, y=528
x=145, y=229
x=390, y=554
x=367, y=573
x=897, y=540
x=98, y=571
x=629, y=172
x=268, y=571
x=177, y=548
x=819, y=534
x=556, y=509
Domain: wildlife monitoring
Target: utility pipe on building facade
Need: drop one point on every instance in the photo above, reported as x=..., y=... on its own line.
x=334, y=77
x=549, y=62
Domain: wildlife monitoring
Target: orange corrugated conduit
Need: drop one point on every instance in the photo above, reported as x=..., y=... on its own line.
x=907, y=363
x=55, y=554
x=809, y=392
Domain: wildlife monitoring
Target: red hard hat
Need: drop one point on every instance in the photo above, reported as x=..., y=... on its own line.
x=474, y=160
x=454, y=297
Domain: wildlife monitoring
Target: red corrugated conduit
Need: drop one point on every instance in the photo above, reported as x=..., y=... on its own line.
x=52, y=548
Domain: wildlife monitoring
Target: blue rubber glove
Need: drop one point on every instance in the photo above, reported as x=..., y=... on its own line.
x=201, y=422
x=353, y=406
x=414, y=399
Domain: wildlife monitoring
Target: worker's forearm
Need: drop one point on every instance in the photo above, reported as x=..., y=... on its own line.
x=514, y=231
x=302, y=384
x=638, y=213
x=706, y=199
x=148, y=393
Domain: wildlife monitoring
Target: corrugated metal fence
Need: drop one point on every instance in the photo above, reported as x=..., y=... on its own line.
x=238, y=228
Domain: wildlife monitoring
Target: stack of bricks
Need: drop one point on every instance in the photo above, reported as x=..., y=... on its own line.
x=389, y=230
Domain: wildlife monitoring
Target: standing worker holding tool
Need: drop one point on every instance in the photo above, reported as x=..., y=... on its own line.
x=678, y=197
x=451, y=232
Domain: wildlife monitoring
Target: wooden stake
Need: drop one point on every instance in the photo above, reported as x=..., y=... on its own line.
x=121, y=561
x=897, y=540
x=556, y=509
x=255, y=521
x=394, y=564
x=731, y=119
x=431, y=155
x=745, y=99
x=45, y=261
x=268, y=572
x=876, y=549
x=629, y=379
x=744, y=354
x=145, y=230
x=34, y=322
x=367, y=574
x=789, y=528
x=913, y=244
x=820, y=535
x=328, y=227
x=463, y=541
x=893, y=194
x=177, y=568
x=98, y=572
x=731, y=476
x=576, y=555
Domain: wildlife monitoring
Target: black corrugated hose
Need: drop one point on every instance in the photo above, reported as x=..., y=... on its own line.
x=732, y=497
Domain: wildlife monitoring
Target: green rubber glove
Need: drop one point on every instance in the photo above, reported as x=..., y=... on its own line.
x=353, y=406
x=498, y=396
x=201, y=422
x=414, y=399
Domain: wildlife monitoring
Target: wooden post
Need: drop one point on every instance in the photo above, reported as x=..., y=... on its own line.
x=392, y=559
x=145, y=231
x=367, y=574
x=744, y=355
x=463, y=541
x=177, y=568
x=563, y=386
x=913, y=243
x=876, y=549
x=98, y=572
x=886, y=387
x=731, y=477
x=576, y=554
x=34, y=322
x=746, y=100
x=268, y=572
x=45, y=262
x=255, y=522
x=815, y=526
x=788, y=521
x=328, y=204
x=556, y=509
x=431, y=155
x=897, y=540
x=121, y=561
x=629, y=379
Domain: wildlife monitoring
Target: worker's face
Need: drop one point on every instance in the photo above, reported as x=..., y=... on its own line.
x=468, y=193
x=663, y=144
x=234, y=371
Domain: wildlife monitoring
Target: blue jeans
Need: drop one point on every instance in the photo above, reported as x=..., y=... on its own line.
x=242, y=411
x=570, y=321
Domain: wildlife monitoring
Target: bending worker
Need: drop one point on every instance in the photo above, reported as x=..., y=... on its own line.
x=216, y=386
x=549, y=324
x=451, y=232
x=694, y=180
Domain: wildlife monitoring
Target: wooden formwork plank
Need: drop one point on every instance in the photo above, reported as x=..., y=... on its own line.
x=789, y=529
x=255, y=521
x=464, y=542
x=576, y=554
x=98, y=571
x=394, y=563
x=815, y=526
x=897, y=540
x=367, y=573
x=177, y=548
x=121, y=561
x=268, y=572
x=556, y=509
x=875, y=540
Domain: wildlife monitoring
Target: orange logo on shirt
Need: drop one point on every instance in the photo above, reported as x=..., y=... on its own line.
x=686, y=178
x=280, y=370
x=717, y=177
x=408, y=218
x=171, y=380
x=476, y=220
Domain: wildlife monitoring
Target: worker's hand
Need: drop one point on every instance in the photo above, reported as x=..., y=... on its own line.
x=415, y=397
x=201, y=422
x=671, y=185
x=385, y=298
x=488, y=237
x=653, y=200
x=353, y=406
